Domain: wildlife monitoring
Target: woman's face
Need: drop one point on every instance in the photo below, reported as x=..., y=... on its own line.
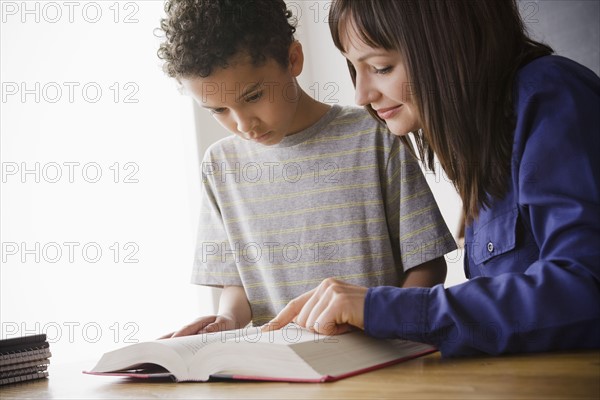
x=382, y=82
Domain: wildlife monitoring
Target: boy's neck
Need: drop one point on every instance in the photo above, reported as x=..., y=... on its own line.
x=309, y=112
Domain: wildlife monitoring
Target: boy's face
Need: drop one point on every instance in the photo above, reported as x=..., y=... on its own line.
x=257, y=103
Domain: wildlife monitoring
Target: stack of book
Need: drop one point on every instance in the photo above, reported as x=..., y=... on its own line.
x=24, y=358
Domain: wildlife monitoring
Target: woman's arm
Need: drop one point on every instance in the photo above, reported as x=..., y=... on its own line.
x=552, y=303
x=522, y=305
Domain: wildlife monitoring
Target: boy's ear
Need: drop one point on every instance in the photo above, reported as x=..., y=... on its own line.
x=296, y=58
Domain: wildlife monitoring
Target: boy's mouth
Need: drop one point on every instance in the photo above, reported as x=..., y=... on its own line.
x=262, y=138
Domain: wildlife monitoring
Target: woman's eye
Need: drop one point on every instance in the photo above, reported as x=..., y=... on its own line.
x=382, y=71
x=253, y=98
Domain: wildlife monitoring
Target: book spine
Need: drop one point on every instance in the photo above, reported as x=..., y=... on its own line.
x=22, y=340
x=25, y=364
x=24, y=371
x=23, y=378
x=32, y=355
x=23, y=347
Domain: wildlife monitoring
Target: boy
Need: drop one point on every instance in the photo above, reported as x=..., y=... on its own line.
x=302, y=191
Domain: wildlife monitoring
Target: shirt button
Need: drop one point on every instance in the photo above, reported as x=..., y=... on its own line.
x=490, y=247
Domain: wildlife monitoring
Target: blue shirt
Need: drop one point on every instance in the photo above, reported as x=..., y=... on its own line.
x=532, y=257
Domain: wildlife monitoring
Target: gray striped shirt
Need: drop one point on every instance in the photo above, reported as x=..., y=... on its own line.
x=343, y=198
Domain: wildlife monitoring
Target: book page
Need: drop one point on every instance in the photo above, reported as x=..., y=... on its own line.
x=291, y=354
x=177, y=354
x=174, y=354
x=288, y=335
x=354, y=351
x=188, y=346
x=252, y=354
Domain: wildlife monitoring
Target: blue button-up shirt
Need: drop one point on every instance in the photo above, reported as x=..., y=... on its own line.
x=533, y=257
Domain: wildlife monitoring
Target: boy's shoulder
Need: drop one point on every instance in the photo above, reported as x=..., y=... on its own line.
x=222, y=148
x=354, y=122
x=355, y=116
x=351, y=118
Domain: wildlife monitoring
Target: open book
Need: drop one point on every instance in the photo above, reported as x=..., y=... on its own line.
x=291, y=354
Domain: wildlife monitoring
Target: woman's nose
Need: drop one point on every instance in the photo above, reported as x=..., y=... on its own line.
x=365, y=92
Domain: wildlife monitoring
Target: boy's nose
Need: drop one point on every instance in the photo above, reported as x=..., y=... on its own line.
x=247, y=127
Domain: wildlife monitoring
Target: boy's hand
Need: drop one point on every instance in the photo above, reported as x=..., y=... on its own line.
x=208, y=324
x=331, y=308
x=234, y=313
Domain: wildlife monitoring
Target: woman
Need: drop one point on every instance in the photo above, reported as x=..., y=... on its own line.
x=516, y=130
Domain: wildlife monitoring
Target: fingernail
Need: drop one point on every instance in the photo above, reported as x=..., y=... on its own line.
x=265, y=326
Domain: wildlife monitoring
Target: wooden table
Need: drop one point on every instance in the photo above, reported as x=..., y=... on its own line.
x=573, y=375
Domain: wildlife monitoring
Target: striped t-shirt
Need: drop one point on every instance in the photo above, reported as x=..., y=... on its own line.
x=343, y=198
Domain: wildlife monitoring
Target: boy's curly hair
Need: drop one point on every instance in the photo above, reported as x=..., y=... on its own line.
x=201, y=35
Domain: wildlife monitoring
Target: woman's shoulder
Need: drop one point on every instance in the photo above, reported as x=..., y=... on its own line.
x=555, y=72
x=554, y=64
x=552, y=83
x=556, y=104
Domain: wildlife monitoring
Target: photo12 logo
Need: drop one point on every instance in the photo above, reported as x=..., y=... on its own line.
x=53, y=12
x=72, y=332
x=71, y=252
x=70, y=92
x=290, y=333
x=271, y=171
x=69, y=172
x=314, y=11
x=253, y=253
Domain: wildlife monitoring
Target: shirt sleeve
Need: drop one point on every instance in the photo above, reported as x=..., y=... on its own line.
x=552, y=303
x=215, y=259
x=415, y=222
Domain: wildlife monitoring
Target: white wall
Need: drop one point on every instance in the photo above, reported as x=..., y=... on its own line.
x=138, y=133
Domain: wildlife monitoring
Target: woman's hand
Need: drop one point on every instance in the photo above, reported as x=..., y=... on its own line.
x=331, y=308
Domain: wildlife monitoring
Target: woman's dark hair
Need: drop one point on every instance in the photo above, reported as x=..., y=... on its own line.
x=201, y=35
x=461, y=57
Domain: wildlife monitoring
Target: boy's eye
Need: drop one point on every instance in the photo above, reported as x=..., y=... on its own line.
x=217, y=110
x=382, y=71
x=253, y=98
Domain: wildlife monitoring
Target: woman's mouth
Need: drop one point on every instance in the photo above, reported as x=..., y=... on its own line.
x=389, y=112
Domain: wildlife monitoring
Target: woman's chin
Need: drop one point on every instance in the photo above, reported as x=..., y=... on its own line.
x=400, y=131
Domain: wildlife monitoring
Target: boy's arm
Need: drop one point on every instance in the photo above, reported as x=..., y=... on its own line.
x=234, y=313
x=234, y=307
x=415, y=223
x=427, y=274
